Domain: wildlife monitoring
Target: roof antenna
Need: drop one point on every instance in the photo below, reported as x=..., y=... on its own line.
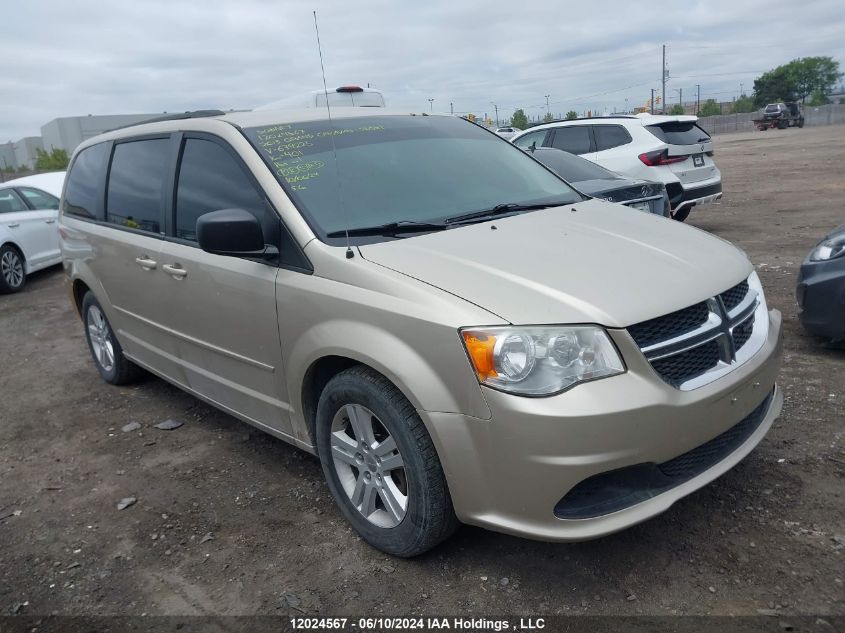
x=349, y=252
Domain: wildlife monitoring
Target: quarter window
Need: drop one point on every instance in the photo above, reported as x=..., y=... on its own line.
x=210, y=179
x=39, y=199
x=82, y=192
x=532, y=138
x=136, y=183
x=574, y=139
x=609, y=136
x=10, y=202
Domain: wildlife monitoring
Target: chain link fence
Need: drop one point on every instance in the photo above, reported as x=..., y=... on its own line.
x=833, y=114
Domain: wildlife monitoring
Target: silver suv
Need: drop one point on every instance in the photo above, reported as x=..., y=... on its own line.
x=457, y=333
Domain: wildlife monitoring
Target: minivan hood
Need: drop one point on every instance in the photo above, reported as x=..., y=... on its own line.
x=591, y=262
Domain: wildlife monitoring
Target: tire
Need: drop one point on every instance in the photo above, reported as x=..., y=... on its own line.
x=105, y=349
x=782, y=125
x=12, y=270
x=396, y=464
x=681, y=214
x=800, y=122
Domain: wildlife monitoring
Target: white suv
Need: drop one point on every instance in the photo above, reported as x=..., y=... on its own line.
x=673, y=150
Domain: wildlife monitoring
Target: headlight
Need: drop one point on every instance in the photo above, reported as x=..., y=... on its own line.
x=828, y=249
x=540, y=361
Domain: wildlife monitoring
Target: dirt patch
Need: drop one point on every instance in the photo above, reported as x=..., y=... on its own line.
x=231, y=521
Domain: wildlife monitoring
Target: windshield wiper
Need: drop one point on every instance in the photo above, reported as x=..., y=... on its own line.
x=391, y=228
x=501, y=209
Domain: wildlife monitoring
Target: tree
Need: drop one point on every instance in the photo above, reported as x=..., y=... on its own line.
x=710, y=108
x=796, y=80
x=548, y=118
x=55, y=160
x=744, y=104
x=519, y=119
x=813, y=73
x=572, y=114
x=677, y=109
x=818, y=98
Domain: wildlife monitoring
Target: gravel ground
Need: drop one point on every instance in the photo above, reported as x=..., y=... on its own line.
x=230, y=521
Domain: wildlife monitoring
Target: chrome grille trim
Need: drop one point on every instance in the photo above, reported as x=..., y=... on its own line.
x=719, y=327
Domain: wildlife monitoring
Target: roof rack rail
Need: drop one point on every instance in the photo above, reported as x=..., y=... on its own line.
x=176, y=116
x=583, y=118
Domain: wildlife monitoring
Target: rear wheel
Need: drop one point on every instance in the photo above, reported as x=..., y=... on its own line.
x=12, y=269
x=380, y=464
x=106, y=351
x=681, y=214
x=800, y=122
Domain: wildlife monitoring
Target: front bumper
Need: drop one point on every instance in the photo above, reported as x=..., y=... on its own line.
x=821, y=298
x=509, y=473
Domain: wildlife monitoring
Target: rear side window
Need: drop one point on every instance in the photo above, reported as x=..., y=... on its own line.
x=679, y=133
x=532, y=138
x=136, y=183
x=10, y=202
x=609, y=136
x=82, y=191
x=210, y=179
x=575, y=139
x=39, y=199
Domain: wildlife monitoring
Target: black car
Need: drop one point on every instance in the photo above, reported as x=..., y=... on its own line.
x=598, y=182
x=821, y=288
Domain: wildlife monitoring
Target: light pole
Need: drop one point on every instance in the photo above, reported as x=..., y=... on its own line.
x=740, y=89
x=496, y=108
x=451, y=108
x=697, y=99
x=431, y=105
x=547, y=104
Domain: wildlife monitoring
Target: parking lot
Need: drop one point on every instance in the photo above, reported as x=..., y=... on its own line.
x=231, y=521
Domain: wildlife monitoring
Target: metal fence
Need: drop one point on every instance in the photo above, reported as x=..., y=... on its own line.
x=726, y=123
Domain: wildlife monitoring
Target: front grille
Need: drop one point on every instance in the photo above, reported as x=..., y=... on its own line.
x=619, y=489
x=733, y=297
x=688, y=343
x=677, y=369
x=670, y=325
x=743, y=332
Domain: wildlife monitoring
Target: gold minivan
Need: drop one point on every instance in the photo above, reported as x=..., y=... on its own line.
x=457, y=333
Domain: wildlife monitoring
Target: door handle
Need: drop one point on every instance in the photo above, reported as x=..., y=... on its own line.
x=50, y=221
x=145, y=262
x=14, y=226
x=175, y=271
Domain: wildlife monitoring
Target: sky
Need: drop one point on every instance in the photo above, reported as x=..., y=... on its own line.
x=97, y=57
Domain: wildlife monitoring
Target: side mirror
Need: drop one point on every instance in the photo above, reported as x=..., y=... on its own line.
x=233, y=232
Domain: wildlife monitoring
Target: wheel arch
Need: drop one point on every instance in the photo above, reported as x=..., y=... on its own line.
x=397, y=360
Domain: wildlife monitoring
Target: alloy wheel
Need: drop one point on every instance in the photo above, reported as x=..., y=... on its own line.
x=11, y=267
x=100, y=336
x=369, y=466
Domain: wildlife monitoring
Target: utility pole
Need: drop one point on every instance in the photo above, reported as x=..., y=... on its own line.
x=664, y=79
x=741, y=92
x=495, y=107
x=451, y=108
x=547, y=104
x=697, y=99
x=431, y=104
x=651, y=103
x=681, y=97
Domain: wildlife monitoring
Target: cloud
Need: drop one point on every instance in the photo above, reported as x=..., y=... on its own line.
x=66, y=59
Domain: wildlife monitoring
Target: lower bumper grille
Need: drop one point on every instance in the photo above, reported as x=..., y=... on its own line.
x=619, y=489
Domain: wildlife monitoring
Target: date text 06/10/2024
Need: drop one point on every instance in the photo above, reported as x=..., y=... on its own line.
x=467, y=625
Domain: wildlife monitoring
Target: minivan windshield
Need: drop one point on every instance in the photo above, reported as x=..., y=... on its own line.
x=399, y=169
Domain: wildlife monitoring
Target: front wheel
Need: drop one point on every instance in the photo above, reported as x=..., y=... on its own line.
x=380, y=464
